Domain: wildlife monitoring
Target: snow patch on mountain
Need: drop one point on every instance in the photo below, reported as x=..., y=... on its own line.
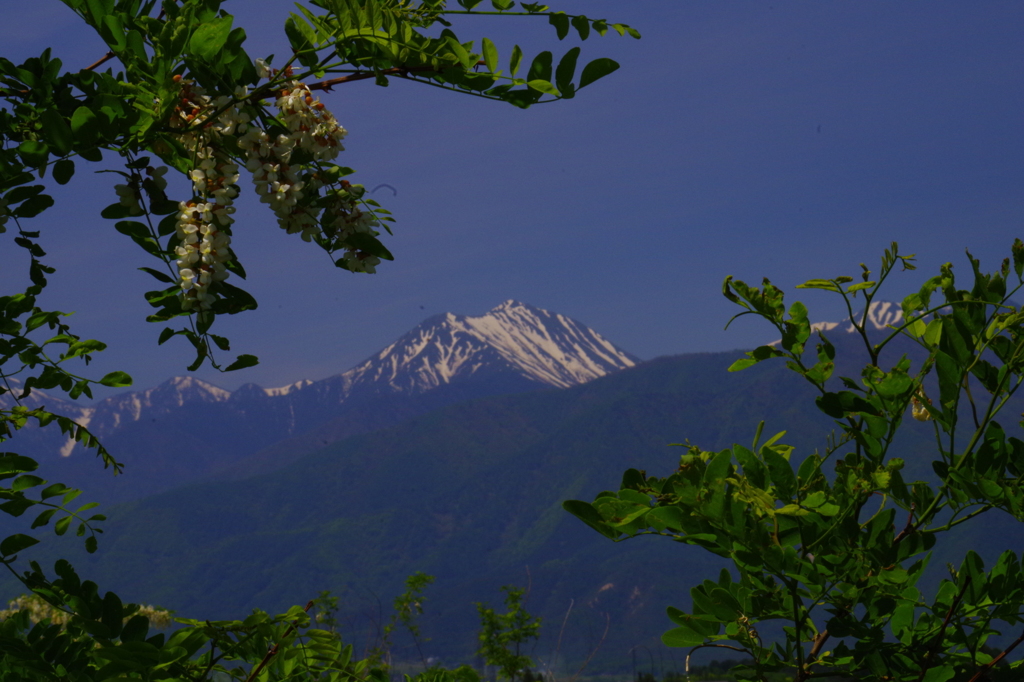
x=290, y=388
x=881, y=315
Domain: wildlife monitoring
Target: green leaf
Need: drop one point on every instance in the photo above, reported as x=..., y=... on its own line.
x=565, y=71
x=34, y=153
x=116, y=380
x=460, y=53
x=826, y=284
x=940, y=674
x=63, y=170
x=242, y=362
x=11, y=464
x=34, y=206
x=85, y=125
x=682, y=636
x=540, y=68
x=560, y=20
x=221, y=342
x=112, y=615
x=755, y=356
x=490, y=55
x=15, y=543
x=582, y=26
x=210, y=37
x=139, y=233
x=543, y=86
x=586, y=513
x=780, y=471
x=753, y=468
x=515, y=60
x=57, y=131
x=792, y=510
x=25, y=482
x=113, y=32
x=44, y=518
x=718, y=467
x=135, y=630
x=160, y=276
x=599, y=68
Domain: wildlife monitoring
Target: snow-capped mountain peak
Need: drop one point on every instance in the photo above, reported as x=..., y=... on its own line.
x=511, y=348
x=540, y=346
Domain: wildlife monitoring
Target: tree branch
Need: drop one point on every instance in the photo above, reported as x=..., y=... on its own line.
x=107, y=57
x=909, y=528
x=978, y=676
x=402, y=71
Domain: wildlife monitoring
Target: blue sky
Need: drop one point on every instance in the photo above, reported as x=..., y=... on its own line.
x=783, y=139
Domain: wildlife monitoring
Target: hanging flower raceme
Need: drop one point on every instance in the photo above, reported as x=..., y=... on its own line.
x=203, y=227
x=310, y=127
x=204, y=248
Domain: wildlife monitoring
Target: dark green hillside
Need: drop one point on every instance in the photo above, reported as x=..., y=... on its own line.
x=470, y=493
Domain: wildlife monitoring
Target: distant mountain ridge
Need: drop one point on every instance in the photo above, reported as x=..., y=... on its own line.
x=185, y=428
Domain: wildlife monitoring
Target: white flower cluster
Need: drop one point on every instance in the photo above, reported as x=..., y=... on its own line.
x=311, y=128
x=203, y=225
x=204, y=222
x=195, y=110
x=205, y=245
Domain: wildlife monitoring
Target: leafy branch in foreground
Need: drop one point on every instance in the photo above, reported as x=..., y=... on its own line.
x=186, y=97
x=828, y=554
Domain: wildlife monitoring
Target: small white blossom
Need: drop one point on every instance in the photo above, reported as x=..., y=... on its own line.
x=262, y=70
x=129, y=196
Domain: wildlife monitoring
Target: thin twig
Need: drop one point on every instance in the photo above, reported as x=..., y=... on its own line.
x=402, y=71
x=558, y=645
x=909, y=528
x=978, y=675
x=273, y=650
x=607, y=624
x=107, y=57
x=945, y=623
x=717, y=646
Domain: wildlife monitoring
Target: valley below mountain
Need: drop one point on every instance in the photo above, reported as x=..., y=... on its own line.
x=463, y=480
